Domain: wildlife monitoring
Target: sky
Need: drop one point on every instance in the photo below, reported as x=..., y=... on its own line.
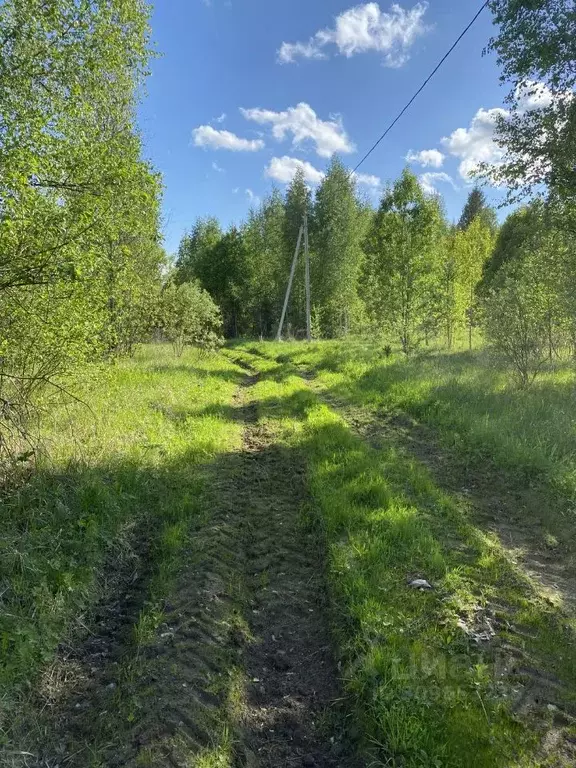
x=245, y=91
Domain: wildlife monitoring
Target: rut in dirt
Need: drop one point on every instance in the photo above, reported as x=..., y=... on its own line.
x=290, y=716
x=250, y=604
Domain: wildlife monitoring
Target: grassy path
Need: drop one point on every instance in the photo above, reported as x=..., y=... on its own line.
x=292, y=679
x=478, y=671
x=212, y=649
x=262, y=615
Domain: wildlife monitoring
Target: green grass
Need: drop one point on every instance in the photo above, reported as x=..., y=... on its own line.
x=473, y=405
x=424, y=694
x=130, y=489
x=115, y=495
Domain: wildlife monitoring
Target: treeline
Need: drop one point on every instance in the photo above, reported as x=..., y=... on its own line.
x=81, y=260
x=402, y=271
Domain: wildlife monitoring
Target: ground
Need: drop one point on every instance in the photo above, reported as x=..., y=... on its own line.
x=233, y=567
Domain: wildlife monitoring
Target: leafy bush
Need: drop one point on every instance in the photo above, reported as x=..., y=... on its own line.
x=190, y=317
x=517, y=320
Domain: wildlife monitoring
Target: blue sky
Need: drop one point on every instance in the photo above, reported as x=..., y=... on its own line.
x=225, y=119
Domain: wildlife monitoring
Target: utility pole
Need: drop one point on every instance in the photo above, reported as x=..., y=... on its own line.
x=289, y=288
x=307, y=279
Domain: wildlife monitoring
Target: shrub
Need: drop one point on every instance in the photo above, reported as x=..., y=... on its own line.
x=190, y=317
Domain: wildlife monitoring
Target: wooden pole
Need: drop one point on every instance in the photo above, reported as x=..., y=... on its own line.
x=289, y=288
x=307, y=278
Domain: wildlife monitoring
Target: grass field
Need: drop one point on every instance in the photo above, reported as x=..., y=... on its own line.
x=171, y=535
x=428, y=689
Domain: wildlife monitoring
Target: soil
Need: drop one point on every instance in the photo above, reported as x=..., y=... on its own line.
x=243, y=654
x=289, y=717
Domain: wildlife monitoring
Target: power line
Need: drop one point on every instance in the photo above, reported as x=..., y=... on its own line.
x=424, y=84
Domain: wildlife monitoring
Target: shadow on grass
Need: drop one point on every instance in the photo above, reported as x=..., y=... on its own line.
x=158, y=567
x=159, y=676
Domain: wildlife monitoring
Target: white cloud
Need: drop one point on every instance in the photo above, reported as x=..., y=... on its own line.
x=289, y=52
x=206, y=136
x=368, y=179
x=235, y=190
x=429, y=179
x=365, y=28
x=252, y=198
x=217, y=168
x=282, y=169
x=475, y=144
x=302, y=122
x=221, y=118
x=533, y=95
x=428, y=158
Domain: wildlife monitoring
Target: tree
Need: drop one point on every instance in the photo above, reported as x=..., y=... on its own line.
x=476, y=206
x=473, y=207
x=472, y=247
x=533, y=251
x=195, y=252
x=226, y=281
x=298, y=202
x=536, y=48
x=517, y=234
x=448, y=308
x=402, y=268
x=79, y=206
x=263, y=236
x=190, y=317
x=515, y=324
x=337, y=234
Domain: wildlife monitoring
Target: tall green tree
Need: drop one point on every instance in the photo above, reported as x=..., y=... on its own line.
x=196, y=249
x=536, y=48
x=79, y=206
x=472, y=247
x=298, y=201
x=337, y=235
x=227, y=281
x=476, y=206
x=516, y=235
x=263, y=236
x=449, y=314
x=402, y=268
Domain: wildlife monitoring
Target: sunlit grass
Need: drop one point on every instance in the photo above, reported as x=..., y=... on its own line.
x=423, y=691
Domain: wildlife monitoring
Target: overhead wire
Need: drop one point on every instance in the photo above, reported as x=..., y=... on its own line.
x=424, y=84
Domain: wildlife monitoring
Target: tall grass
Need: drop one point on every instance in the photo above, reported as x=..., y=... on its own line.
x=472, y=402
x=424, y=689
x=114, y=491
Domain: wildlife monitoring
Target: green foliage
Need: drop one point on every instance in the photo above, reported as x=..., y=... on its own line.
x=514, y=237
x=476, y=206
x=471, y=247
x=535, y=45
x=336, y=267
x=515, y=325
x=189, y=317
x=298, y=202
x=264, y=238
x=402, y=270
x=195, y=253
x=79, y=227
